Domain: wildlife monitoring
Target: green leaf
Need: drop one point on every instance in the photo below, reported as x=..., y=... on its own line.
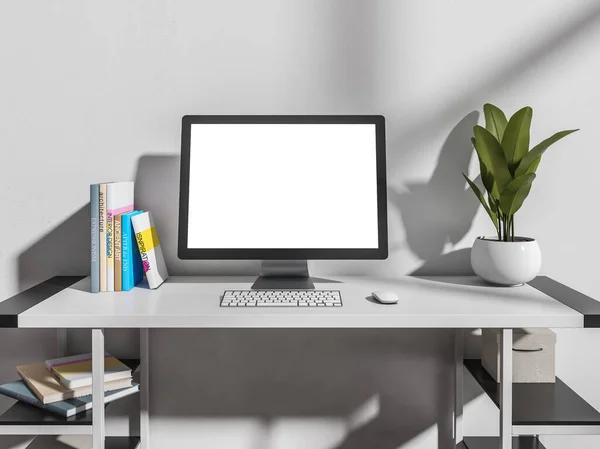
x=537, y=151
x=479, y=195
x=494, y=211
x=493, y=205
x=495, y=120
x=491, y=155
x=534, y=165
x=514, y=194
x=486, y=177
x=515, y=142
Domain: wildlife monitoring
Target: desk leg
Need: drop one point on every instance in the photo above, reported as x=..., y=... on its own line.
x=98, y=388
x=458, y=387
x=506, y=388
x=145, y=388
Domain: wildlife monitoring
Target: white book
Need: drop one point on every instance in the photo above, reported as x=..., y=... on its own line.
x=119, y=199
x=150, y=250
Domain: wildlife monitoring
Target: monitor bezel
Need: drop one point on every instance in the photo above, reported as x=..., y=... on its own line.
x=381, y=252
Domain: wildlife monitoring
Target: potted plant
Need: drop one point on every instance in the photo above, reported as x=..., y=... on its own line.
x=507, y=167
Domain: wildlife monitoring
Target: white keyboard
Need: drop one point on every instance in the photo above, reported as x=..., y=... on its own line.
x=281, y=298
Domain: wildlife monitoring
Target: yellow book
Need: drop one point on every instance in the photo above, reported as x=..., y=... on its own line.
x=76, y=371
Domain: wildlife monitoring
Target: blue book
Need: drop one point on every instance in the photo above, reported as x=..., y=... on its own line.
x=70, y=407
x=131, y=261
x=94, y=260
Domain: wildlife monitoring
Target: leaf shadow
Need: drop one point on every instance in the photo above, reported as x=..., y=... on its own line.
x=441, y=210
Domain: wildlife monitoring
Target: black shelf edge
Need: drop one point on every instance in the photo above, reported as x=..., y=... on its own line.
x=494, y=443
x=19, y=303
x=588, y=307
x=121, y=442
x=45, y=442
x=23, y=414
x=539, y=404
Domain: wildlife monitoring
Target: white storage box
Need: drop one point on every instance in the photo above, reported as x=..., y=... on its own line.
x=533, y=355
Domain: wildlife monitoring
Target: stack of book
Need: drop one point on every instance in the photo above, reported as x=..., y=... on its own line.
x=64, y=386
x=124, y=241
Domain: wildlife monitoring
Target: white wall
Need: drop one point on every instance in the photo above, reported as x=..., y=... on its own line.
x=93, y=91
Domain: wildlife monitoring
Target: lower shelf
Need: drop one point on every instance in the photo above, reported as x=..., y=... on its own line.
x=32, y=418
x=541, y=405
x=494, y=442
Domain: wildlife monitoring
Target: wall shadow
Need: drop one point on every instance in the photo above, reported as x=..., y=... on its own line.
x=364, y=387
x=454, y=263
x=441, y=210
x=520, y=65
x=65, y=250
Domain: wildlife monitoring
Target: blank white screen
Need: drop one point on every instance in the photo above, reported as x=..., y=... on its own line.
x=282, y=186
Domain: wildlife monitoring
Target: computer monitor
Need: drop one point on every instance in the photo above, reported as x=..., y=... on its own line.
x=283, y=189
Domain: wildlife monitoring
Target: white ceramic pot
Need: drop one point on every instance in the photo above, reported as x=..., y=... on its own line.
x=506, y=263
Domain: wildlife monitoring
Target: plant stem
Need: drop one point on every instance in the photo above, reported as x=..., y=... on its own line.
x=512, y=226
x=499, y=226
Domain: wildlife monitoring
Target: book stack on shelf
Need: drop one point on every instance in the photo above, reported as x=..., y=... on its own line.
x=124, y=241
x=64, y=386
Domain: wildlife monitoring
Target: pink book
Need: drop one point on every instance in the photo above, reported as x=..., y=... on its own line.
x=119, y=199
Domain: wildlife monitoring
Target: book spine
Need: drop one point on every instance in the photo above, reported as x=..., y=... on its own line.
x=118, y=256
x=94, y=237
x=110, y=248
x=31, y=386
x=20, y=397
x=126, y=274
x=102, y=235
x=119, y=200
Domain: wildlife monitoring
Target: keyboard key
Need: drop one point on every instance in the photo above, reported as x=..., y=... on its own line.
x=273, y=304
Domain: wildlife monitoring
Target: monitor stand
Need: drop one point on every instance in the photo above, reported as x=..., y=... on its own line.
x=283, y=275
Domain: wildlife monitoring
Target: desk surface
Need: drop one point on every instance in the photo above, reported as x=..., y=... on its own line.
x=193, y=302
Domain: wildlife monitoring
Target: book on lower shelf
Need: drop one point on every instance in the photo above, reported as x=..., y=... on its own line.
x=67, y=408
x=76, y=371
x=48, y=390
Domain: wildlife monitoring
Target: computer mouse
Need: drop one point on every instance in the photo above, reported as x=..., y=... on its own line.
x=385, y=297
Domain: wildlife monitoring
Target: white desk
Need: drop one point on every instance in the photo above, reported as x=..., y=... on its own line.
x=193, y=302
x=435, y=302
